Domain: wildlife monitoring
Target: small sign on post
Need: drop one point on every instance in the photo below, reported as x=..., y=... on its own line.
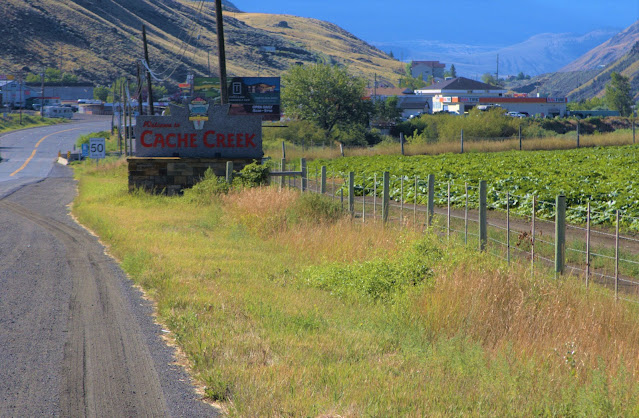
x=85, y=150
x=97, y=148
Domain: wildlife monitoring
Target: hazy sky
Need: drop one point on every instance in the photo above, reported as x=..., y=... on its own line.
x=475, y=22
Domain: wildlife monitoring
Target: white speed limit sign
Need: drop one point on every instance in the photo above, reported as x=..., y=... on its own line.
x=96, y=148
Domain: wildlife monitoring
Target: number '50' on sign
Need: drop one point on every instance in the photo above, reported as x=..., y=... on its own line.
x=96, y=148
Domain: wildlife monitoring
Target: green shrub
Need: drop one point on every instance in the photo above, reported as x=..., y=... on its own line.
x=313, y=207
x=84, y=139
x=381, y=279
x=252, y=175
x=209, y=186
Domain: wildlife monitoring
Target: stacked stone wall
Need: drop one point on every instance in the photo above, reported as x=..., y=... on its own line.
x=172, y=175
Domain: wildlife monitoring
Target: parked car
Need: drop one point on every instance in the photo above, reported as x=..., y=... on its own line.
x=516, y=115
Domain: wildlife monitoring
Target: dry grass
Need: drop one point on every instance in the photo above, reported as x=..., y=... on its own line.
x=294, y=152
x=556, y=320
x=264, y=211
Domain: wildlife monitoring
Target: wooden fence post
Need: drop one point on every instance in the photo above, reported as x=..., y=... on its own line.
x=430, y=205
x=229, y=172
x=401, y=141
x=323, y=183
x=520, y=143
x=560, y=235
x=386, y=197
x=283, y=168
x=462, y=141
x=483, y=224
x=351, y=193
x=304, y=171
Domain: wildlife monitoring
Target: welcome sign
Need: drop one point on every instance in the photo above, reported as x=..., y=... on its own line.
x=201, y=130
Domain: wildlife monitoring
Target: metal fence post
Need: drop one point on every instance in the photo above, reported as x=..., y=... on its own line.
x=351, y=193
x=323, y=181
x=386, y=197
x=448, y=212
x=283, y=168
x=577, y=133
x=633, y=131
x=229, y=172
x=520, y=144
x=617, y=257
x=304, y=171
x=401, y=202
x=483, y=224
x=363, y=199
x=431, y=199
x=532, y=238
x=401, y=141
x=588, y=245
x=462, y=141
x=466, y=216
x=507, y=227
x=415, y=205
x=560, y=234
x=374, y=196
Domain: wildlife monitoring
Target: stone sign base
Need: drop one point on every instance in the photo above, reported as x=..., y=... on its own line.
x=171, y=175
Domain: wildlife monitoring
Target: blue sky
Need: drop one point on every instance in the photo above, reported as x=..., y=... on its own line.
x=475, y=22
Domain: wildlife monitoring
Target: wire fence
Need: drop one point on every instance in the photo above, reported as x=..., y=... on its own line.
x=601, y=255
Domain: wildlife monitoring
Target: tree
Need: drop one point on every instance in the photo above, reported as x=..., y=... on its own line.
x=618, y=95
x=488, y=78
x=101, y=93
x=326, y=95
x=408, y=81
x=453, y=71
x=387, y=111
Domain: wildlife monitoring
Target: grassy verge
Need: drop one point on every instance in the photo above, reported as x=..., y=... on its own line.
x=12, y=122
x=285, y=307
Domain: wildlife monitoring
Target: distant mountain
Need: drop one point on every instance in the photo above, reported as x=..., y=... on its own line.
x=539, y=54
x=100, y=40
x=607, y=52
x=587, y=76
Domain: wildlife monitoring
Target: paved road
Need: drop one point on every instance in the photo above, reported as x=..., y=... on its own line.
x=76, y=339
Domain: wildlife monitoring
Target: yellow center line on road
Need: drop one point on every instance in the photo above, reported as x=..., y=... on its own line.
x=35, y=149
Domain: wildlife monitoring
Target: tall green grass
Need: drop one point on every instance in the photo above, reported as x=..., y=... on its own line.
x=283, y=306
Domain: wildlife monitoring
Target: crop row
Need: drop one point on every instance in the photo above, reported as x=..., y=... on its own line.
x=607, y=177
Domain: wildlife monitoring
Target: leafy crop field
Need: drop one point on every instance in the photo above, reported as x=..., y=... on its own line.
x=607, y=177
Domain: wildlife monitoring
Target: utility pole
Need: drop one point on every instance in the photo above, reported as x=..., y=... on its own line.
x=42, y=97
x=497, y=78
x=148, y=72
x=139, y=91
x=221, y=51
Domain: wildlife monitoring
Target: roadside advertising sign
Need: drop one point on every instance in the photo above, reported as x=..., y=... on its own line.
x=255, y=96
x=207, y=87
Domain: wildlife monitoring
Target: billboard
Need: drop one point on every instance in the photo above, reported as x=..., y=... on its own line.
x=207, y=87
x=255, y=96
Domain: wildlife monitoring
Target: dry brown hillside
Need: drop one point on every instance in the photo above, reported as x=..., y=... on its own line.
x=99, y=40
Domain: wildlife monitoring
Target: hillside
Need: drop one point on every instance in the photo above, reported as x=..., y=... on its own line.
x=99, y=40
x=587, y=76
x=608, y=52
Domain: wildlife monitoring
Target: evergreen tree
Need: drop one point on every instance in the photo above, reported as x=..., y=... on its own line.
x=453, y=71
x=618, y=95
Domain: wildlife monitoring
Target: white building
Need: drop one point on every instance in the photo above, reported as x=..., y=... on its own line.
x=459, y=95
x=14, y=94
